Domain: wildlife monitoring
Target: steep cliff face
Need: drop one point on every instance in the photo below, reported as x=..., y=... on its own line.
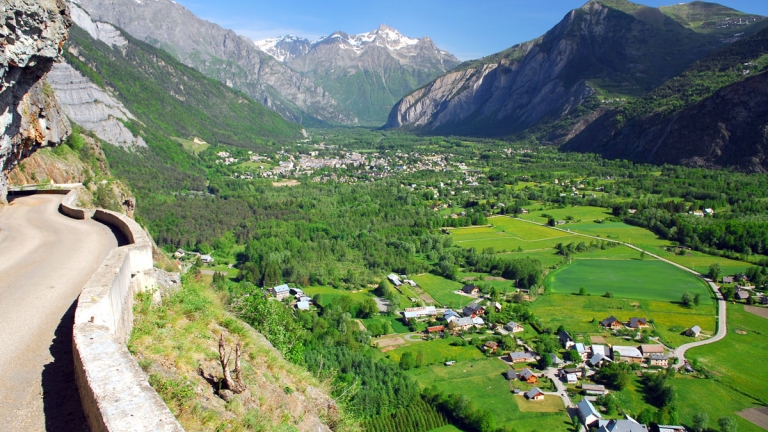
x=727, y=129
x=612, y=47
x=32, y=33
x=220, y=54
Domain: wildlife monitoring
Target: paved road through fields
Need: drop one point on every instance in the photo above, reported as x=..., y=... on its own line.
x=721, y=306
x=45, y=260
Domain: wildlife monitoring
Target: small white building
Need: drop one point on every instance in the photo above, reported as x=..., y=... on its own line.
x=206, y=259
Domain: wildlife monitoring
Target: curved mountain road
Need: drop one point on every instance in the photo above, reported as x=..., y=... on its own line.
x=45, y=260
x=721, y=306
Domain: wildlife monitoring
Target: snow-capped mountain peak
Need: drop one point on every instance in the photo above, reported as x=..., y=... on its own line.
x=284, y=48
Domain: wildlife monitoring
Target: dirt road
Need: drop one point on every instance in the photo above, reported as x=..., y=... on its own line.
x=45, y=260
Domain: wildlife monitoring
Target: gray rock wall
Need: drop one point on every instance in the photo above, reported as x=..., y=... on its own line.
x=32, y=34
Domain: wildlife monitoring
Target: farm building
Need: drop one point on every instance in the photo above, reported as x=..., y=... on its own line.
x=648, y=349
x=521, y=357
x=611, y=322
x=435, y=329
x=627, y=354
x=534, y=394
x=511, y=374
x=660, y=360
x=281, y=291
x=694, y=331
x=587, y=413
x=528, y=376
x=741, y=295
x=514, y=327
x=419, y=312
x=395, y=279
x=594, y=389
x=302, y=305
x=463, y=323
x=206, y=259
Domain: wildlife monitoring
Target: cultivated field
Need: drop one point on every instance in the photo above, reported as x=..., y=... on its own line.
x=482, y=381
x=638, y=279
x=581, y=315
x=582, y=213
x=442, y=290
x=509, y=235
x=438, y=351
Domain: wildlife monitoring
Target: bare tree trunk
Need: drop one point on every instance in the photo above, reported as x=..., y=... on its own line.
x=236, y=385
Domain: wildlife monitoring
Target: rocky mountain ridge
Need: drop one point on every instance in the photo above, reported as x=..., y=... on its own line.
x=366, y=72
x=607, y=47
x=221, y=54
x=33, y=32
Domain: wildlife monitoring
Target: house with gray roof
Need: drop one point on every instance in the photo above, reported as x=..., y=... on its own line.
x=513, y=327
x=566, y=341
x=281, y=291
x=694, y=331
x=534, y=394
x=521, y=357
x=628, y=425
x=556, y=361
x=528, y=376
x=510, y=374
x=587, y=413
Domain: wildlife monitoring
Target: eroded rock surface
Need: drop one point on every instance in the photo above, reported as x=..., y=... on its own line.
x=32, y=33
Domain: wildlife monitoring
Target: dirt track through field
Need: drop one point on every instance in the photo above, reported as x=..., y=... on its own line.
x=757, y=416
x=761, y=312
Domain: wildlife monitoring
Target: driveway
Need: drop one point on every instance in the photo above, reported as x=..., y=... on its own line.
x=45, y=260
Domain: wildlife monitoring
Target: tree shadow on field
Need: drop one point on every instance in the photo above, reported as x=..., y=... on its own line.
x=61, y=399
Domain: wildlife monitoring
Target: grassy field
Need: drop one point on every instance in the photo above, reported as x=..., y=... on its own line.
x=482, y=381
x=395, y=323
x=329, y=293
x=441, y=289
x=507, y=234
x=438, y=351
x=191, y=146
x=638, y=279
x=714, y=398
x=582, y=213
x=581, y=314
x=729, y=358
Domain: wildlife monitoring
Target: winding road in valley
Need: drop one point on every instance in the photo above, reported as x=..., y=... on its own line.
x=45, y=260
x=721, y=305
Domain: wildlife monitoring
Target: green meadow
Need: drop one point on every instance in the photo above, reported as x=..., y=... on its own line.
x=442, y=290
x=482, y=381
x=647, y=279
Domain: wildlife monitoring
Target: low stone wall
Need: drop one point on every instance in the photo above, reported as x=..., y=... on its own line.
x=114, y=390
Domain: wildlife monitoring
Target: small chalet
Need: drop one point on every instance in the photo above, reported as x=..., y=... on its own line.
x=490, y=347
x=660, y=360
x=566, y=341
x=473, y=310
x=648, y=349
x=637, y=323
x=435, y=329
x=534, y=394
x=521, y=357
x=281, y=291
x=513, y=327
x=470, y=289
x=611, y=322
x=206, y=259
x=694, y=331
x=741, y=295
x=510, y=374
x=528, y=376
x=179, y=253
x=594, y=389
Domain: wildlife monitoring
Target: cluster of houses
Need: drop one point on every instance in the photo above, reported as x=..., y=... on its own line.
x=301, y=300
x=596, y=355
x=613, y=323
x=592, y=419
x=204, y=258
x=743, y=290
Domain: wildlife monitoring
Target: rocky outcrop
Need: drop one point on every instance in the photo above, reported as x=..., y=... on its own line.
x=32, y=33
x=220, y=54
x=728, y=129
x=91, y=107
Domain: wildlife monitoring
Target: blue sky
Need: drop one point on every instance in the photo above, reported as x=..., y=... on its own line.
x=467, y=28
